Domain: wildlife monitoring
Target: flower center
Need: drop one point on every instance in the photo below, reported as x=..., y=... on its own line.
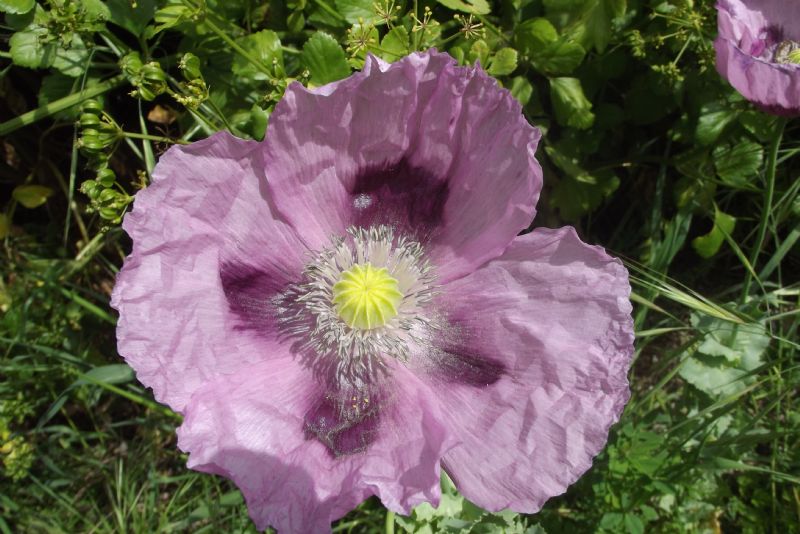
x=788, y=52
x=366, y=297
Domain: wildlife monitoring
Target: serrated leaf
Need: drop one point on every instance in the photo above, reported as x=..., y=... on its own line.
x=533, y=35
x=570, y=104
x=707, y=245
x=72, y=61
x=353, y=10
x=394, y=44
x=598, y=22
x=29, y=50
x=504, y=62
x=134, y=17
x=16, y=7
x=478, y=7
x=479, y=53
x=738, y=164
x=325, y=59
x=560, y=57
x=263, y=46
x=31, y=196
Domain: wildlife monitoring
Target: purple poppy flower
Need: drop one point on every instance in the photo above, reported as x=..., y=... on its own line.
x=758, y=52
x=345, y=308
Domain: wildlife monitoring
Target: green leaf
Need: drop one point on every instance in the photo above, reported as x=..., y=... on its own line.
x=29, y=50
x=352, y=10
x=721, y=365
x=133, y=16
x=479, y=52
x=504, y=62
x=258, y=122
x=31, y=196
x=171, y=15
x=521, y=89
x=598, y=22
x=115, y=373
x=611, y=521
x=72, y=61
x=55, y=86
x=578, y=192
x=326, y=60
x=707, y=245
x=570, y=104
x=738, y=164
x=532, y=35
x=264, y=46
x=560, y=57
x=16, y=7
x=394, y=44
x=714, y=117
x=759, y=124
x=479, y=7
x=633, y=525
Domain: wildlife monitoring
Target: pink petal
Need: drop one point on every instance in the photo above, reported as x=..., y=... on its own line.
x=745, y=29
x=249, y=427
x=437, y=150
x=205, y=210
x=549, y=322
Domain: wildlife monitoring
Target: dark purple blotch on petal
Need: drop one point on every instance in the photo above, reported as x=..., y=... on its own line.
x=464, y=365
x=396, y=194
x=344, y=423
x=251, y=294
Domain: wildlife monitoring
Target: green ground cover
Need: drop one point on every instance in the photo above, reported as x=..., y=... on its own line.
x=646, y=150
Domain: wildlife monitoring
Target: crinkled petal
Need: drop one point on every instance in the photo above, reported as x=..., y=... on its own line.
x=436, y=150
x=203, y=220
x=541, y=343
x=249, y=427
x=746, y=29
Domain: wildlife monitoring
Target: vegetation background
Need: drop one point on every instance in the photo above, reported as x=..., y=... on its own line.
x=646, y=150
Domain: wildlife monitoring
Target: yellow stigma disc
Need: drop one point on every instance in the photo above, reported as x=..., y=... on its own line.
x=366, y=297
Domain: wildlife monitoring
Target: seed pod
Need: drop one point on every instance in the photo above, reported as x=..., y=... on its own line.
x=92, y=106
x=109, y=214
x=91, y=189
x=190, y=67
x=89, y=120
x=106, y=177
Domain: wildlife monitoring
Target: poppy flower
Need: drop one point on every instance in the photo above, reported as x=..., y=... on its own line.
x=346, y=308
x=758, y=52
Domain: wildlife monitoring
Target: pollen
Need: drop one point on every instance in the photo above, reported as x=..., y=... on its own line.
x=366, y=297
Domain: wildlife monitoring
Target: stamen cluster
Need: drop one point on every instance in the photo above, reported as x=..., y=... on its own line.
x=350, y=353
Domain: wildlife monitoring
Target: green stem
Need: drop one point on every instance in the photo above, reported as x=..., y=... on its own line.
x=328, y=9
x=134, y=135
x=61, y=104
x=389, y=526
x=239, y=50
x=494, y=29
x=769, y=193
